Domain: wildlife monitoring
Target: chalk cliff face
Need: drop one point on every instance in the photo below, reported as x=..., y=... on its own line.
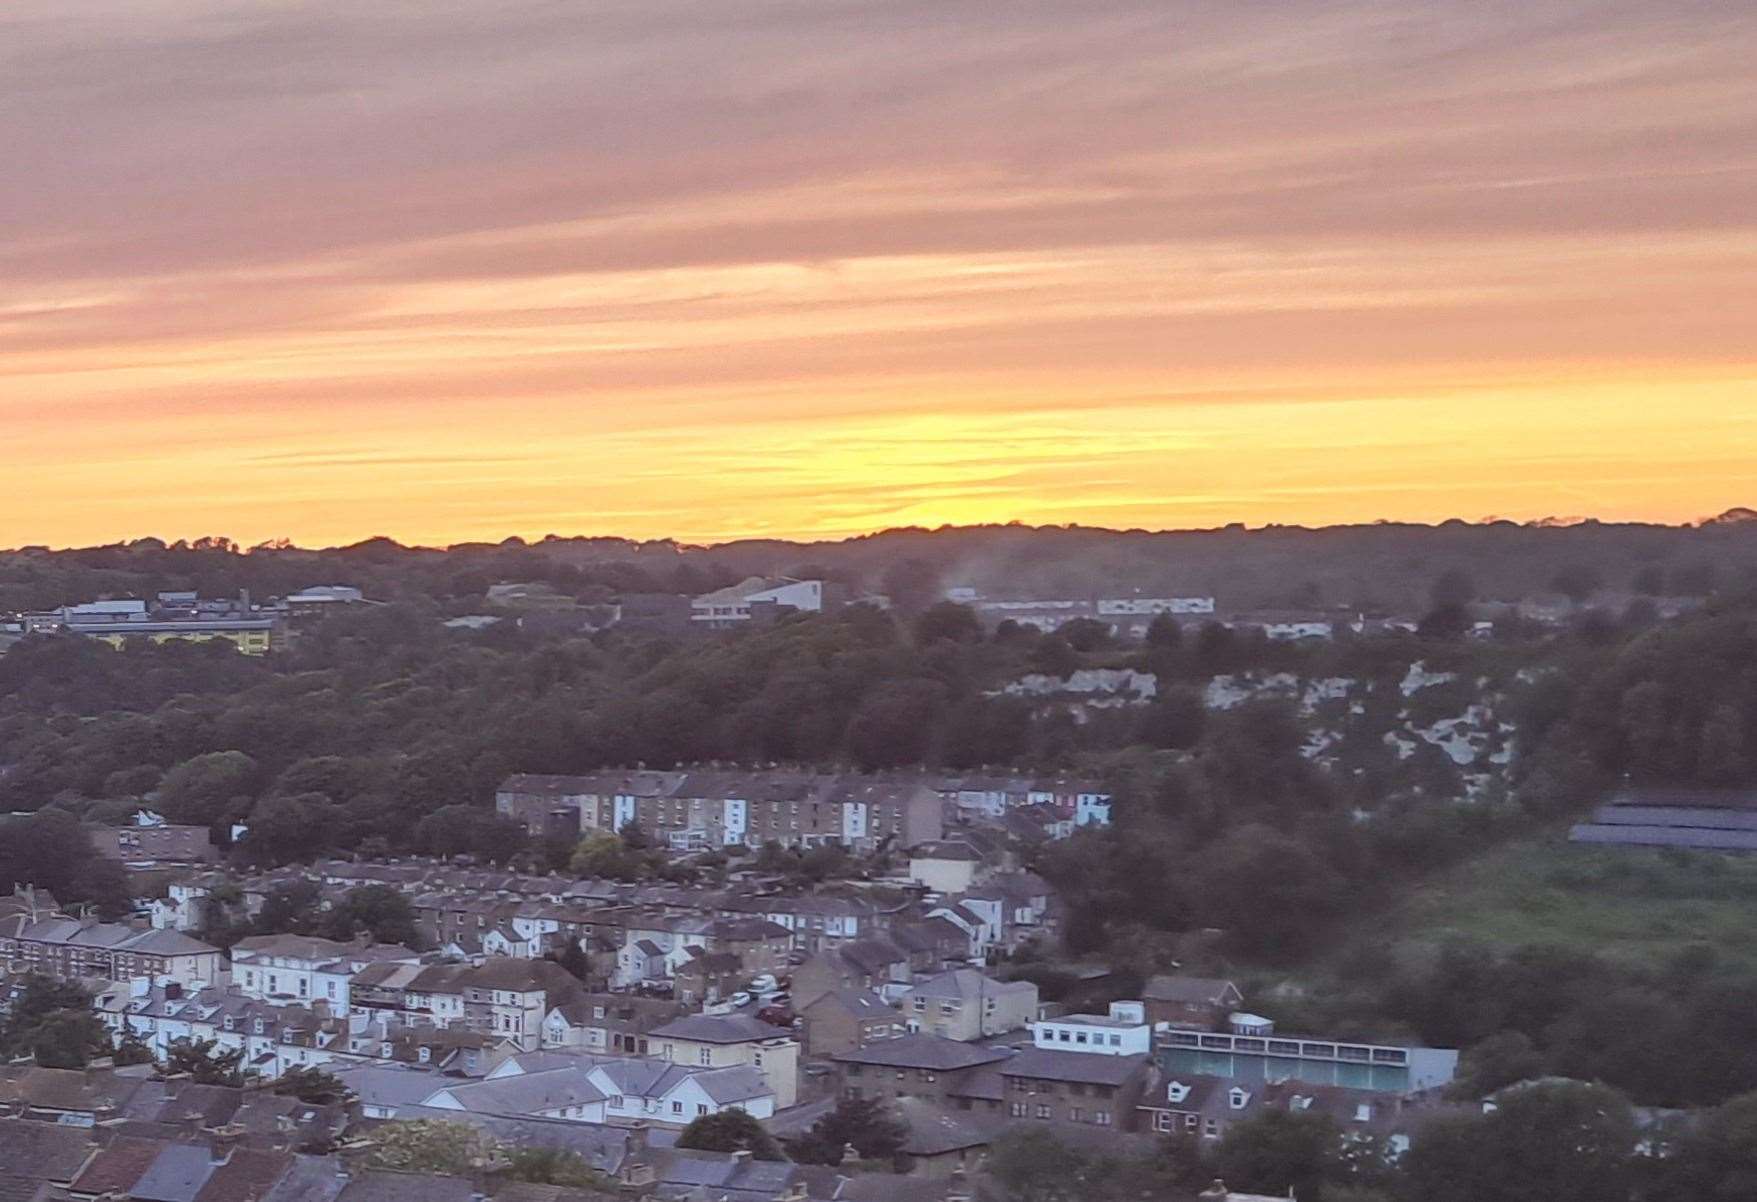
x=1123, y=684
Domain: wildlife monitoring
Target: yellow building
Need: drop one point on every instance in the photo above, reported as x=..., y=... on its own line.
x=251, y=636
x=721, y=1040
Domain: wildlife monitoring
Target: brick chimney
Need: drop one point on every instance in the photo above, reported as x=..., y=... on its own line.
x=223, y=1141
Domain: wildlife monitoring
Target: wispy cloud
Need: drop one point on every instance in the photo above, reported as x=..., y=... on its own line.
x=819, y=265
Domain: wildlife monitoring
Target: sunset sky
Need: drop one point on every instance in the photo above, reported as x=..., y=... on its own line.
x=460, y=269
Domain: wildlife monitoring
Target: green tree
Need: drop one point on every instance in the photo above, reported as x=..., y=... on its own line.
x=1085, y=634
x=1281, y=1150
x=730, y=1131
x=1164, y=633
x=51, y=850
x=312, y=1086
x=554, y=1166
x=290, y=908
x=286, y=830
x=894, y=726
x=1577, y=582
x=947, y=621
x=53, y=1021
x=866, y=1124
x=68, y=1039
x=131, y=1050
x=1269, y=892
x=1175, y=719
x=380, y=911
x=1648, y=581
x=204, y=1062
x=1034, y=1166
x=1548, y=1142
x=1502, y=1059
x=1715, y=1160
x=430, y=1146
x=1054, y=656
x=207, y=789
x=470, y=830
x=610, y=856
x=1453, y=587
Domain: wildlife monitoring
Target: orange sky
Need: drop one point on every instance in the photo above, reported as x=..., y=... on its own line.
x=324, y=270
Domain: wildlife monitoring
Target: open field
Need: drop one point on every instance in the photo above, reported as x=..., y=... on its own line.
x=1637, y=905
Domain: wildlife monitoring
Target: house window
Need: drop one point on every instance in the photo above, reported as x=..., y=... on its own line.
x=1077, y=1115
x=1043, y=1111
x=700, y=1108
x=1018, y=1109
x=705, y=1055
x=1101, y=1117
x=677, y=1108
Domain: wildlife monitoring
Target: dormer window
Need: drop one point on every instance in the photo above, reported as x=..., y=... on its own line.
x=1240, y=1099
x=1176, y=1091
x=1363, y=1113
x=424, y=1055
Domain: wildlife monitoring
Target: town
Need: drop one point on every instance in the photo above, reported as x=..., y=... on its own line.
x=609, y=1019
x=965, y=894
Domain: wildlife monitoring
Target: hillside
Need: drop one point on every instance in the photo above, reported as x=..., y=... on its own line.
x=1385, y=567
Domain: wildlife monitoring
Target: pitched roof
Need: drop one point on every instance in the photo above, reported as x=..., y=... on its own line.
x=379, y=1085
x=603, y=1147
x=302, y=947
x=528, y=1093
x=923, y=1051
x=734, y=1083
x=871, y=955
x=245, y=1176
x=860, y=1004
x=1049, y=1064
x=71, y=1089
x=934, y=1130
x=176, y=1174
x=43, y=1151
x=521, y=976
x=528, y=1191
x=115, y=1169
x=1195, y=991
x=166, y=943
x=308, y=1179
x=717, y=1028
x=950, y=849
x=966, y=984
x=382, y=1185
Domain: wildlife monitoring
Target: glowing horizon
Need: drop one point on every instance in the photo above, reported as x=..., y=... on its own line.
x=814, y=268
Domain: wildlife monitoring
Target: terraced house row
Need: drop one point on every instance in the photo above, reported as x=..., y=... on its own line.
x=703, y=808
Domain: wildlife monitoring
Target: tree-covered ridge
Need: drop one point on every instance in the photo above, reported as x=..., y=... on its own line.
x=1385, y=565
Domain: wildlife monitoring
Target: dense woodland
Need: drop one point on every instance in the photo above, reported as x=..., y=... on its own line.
x=382, y=731
x=1383, y=567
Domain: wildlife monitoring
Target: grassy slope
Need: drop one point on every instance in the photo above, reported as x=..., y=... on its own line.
x=1637, y=905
